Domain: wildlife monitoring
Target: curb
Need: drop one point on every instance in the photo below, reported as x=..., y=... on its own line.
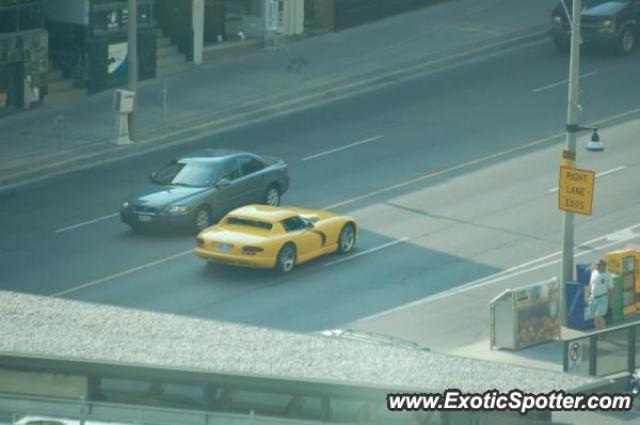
x=94, y=154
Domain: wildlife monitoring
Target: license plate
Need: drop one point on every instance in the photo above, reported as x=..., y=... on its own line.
x=224, y=247
x=144, y=218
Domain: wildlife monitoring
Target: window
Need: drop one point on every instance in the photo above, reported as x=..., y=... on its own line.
x=248, y=222
x=152, y=393
x=190, y=174
x=230, y=170
x=250, y=165
x=293, y=224
x=20, y=15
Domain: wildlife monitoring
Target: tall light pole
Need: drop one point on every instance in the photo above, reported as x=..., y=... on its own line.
x=132, y=64
x=569, y=154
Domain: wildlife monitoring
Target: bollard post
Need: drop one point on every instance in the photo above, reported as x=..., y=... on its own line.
x=59, y=123
x=163, y=95
x=83, y=410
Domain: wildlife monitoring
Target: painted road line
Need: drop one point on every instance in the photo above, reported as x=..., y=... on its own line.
x=393, y=186
x=617, y=237
x=351, y=145
x=559, y=83
x=602, y=174
x=444, y=171
x=120, y=274
x=85, y=223
x=368, y=251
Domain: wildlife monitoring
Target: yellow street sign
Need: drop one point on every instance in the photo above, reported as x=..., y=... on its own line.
x=576, y=190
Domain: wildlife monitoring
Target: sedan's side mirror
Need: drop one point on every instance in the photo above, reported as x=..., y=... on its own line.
x=152, y=177
x=222, y=183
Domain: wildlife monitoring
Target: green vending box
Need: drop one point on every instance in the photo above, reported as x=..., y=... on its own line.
x=615, y=313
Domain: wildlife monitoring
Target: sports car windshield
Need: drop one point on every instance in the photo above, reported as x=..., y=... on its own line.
x=190, y=174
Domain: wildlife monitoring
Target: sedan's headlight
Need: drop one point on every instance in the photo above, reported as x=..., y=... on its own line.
x=556, y=20
x=178, y=209
x=125, y=205
x=608, y=25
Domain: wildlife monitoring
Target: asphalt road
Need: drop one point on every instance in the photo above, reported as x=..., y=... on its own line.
x=486, y=208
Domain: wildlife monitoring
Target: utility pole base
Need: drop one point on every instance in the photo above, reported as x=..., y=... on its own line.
x=122, y=130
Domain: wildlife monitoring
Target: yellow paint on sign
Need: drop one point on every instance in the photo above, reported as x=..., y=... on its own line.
x=576, y=190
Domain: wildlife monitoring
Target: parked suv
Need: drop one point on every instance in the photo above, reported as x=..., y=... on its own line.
x=610, y=23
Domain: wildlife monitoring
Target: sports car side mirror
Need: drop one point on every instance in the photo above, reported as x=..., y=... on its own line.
x=223, y=183
x=310, y=225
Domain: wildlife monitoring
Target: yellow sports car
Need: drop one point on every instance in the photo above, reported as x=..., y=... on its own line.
x=275, y=237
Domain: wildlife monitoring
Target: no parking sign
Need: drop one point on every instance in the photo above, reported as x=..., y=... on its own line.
x=574, y=356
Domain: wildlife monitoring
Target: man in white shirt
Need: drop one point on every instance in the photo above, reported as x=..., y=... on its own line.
x=599, y=287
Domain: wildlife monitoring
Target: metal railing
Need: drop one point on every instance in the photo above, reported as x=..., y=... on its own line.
x=604, y=353
x=19, y=407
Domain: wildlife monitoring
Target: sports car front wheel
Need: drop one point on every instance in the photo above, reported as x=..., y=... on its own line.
x=347, y=238
x=286, y=258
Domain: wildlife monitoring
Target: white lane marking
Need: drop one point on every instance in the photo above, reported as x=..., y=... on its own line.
x=84, y=223
x=122, y=273
x=559, y=83
x=368, y=251
x=361, y=142
x=602, y=174
x=614, y=238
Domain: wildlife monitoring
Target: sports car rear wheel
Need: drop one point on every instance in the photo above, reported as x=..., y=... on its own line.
x=347, y=238
x=286, y=258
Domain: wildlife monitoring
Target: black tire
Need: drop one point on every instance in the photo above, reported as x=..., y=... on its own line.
x=627, y=41
x=272, y=195
x=347, y=238
x=135, y=228
x=561, y=47
x=286, y=258
x=202, y=218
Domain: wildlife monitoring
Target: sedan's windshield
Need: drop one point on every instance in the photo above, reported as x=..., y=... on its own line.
x=191, y=174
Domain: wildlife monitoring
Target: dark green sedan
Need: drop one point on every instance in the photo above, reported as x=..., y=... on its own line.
x=197, y=189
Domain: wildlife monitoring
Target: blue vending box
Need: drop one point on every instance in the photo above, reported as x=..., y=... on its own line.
x=577, y=307
x=583, y=272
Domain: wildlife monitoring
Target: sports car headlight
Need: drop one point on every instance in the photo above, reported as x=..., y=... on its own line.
x=556, y=20
x=178, y=209
x=608, y=25
x=125, y=205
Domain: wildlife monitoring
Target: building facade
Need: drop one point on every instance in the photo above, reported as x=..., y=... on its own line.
x=23, y=54
x=88, y=41
x=84, y=42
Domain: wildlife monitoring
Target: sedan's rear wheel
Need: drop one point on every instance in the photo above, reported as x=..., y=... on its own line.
x=561, y=46
x=347, y=238
x=286, y=258
x=202, y=218
x=272, y=196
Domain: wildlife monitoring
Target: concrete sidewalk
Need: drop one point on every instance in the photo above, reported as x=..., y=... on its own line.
x=458, y=320
x=236, y=91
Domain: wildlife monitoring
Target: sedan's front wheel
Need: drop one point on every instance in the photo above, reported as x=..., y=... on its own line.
x=627, y=41
x=202, y=219
x=286, y=258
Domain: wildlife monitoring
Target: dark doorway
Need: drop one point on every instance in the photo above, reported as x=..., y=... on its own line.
x=214, y=17
x=11, y=87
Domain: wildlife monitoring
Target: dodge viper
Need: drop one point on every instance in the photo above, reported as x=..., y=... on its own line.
x=275, y=237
